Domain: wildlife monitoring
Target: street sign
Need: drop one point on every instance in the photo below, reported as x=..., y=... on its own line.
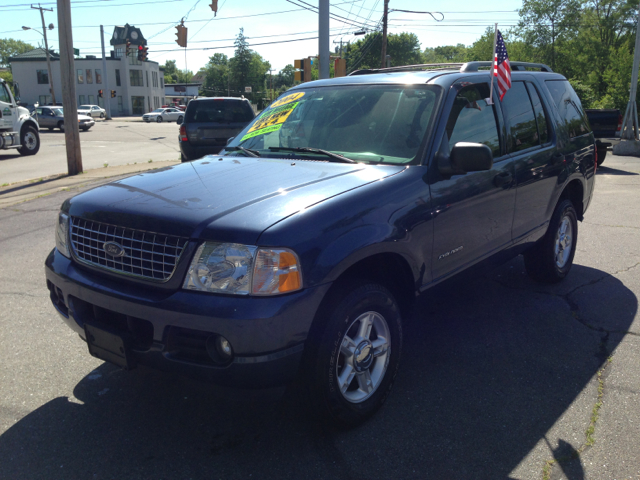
x=247, y=89
x=76, y=52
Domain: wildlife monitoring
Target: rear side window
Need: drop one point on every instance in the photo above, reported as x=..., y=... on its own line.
x=520, y=118
x=541, y=119
x=569, y=107
x=472, y=120
x=219, y=111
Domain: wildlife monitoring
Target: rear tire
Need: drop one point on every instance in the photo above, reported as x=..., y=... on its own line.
x=550, y=260
x=30, y=141
x=101, y=115
x=61, y=126
x=351, y=370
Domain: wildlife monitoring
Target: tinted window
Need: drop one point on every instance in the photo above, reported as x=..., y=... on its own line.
x=219, y=111
x=472, y=120
x=541, y=118
x=569, y=107
x=520, y=119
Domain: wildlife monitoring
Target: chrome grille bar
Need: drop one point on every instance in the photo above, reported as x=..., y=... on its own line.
x=148, y=255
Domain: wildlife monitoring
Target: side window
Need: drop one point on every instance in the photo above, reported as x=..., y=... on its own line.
x=4, y=95
x=519, y=117
x=541, y=119
x=472, y=120
x=569, y=107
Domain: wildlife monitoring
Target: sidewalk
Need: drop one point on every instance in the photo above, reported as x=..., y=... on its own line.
x=23, y=191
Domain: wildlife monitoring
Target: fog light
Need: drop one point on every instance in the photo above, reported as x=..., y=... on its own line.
x=224, y=347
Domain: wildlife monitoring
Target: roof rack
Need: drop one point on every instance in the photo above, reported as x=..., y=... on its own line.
x=462, y=67
x=515, y=66
x=409, y=68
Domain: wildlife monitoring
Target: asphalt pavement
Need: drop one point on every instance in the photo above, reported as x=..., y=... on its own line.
x=500, y=377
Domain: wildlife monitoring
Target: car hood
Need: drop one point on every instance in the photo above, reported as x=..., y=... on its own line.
x=230, y=199
x=84, y=117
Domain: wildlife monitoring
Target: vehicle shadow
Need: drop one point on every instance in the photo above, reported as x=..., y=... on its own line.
x=604, y=170
x=489, y=366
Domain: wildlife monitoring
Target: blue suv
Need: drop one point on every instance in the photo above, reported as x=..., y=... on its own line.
x=299, y=248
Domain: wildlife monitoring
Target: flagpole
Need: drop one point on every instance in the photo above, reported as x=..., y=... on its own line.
x=493, y=63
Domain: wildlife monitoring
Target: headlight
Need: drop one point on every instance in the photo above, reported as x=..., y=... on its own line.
x=62, y=235
x=243, y=269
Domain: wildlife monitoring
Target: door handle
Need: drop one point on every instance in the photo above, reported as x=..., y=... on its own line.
x=502, y=179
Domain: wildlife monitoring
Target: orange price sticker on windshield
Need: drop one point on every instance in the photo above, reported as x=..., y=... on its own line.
x=287, y=99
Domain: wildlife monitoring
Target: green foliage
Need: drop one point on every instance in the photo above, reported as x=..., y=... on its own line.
x=403, y=48
x=248, y=69
x=10, y=48
x=216, y=76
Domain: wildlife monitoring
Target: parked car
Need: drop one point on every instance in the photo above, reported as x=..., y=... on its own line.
x=606, y=125
x=164, y=115
x=92, y=111
x=210, y=122
x=302, y=245
x=53, y=117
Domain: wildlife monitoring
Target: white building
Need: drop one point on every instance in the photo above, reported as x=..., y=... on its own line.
x=181, y=93
x=137, y=86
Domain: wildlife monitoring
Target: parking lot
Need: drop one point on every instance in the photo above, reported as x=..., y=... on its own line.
x=500, y=377
x=121, y=141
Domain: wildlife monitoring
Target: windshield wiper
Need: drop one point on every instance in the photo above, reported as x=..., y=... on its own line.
x=335, y=156
x=246, y=151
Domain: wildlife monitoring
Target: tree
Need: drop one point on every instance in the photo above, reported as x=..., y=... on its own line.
x=248, y=69
x=10, y=48
x=170, y=72
x=216, y=76
x=403, y=48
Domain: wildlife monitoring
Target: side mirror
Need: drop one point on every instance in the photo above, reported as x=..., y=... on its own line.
x=229, y=140
x=467, y=157
x=179, y=121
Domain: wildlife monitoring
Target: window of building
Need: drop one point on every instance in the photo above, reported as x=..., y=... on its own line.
x=149, y=103
x=43, y=77
x=137, y=105
x=119, y=52
x=89, y=76
x=161, y=82
x=120, y=106
x=98, y=75
x=81, y=100
x=80, y=76
x=91, y=100
x=44, y=99
x=147, y=75
x=133, y=56
x=135, y=78
x=472, y=120
x=101, y=102
x=118, y=78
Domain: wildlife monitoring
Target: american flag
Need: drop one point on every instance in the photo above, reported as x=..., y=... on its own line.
x=501, y=67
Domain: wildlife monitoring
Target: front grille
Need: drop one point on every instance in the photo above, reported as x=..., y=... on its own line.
x=147, y=255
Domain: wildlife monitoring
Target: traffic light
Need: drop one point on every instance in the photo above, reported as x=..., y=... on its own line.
x=128, y=51
x=113, y=93
x=182, y=35
x=303, y=73
x=140, y=52
x=101, y=93
x=144, y=53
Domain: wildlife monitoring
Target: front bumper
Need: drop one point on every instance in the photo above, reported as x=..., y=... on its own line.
x=169, y=330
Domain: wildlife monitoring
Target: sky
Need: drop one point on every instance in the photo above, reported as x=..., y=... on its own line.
x=279, y=30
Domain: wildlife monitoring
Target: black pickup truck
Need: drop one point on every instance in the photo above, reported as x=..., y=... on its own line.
x=300, y=247
x=605, y=124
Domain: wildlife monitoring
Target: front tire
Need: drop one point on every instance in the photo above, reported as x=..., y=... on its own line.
x=550, y=260
x=352, y=369
x=159, y=119
x=30, y=141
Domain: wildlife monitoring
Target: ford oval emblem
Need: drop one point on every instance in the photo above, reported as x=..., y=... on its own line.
x=114, y=249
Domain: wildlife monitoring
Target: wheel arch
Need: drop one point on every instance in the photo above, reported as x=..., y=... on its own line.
x=574, y=192
x=29, y=123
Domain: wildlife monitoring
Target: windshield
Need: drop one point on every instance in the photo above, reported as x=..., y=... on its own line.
x=158, y=110
x=365, y=123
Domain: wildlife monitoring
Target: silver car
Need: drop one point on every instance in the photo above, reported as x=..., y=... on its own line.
x=53, y=117
x=164, y=115
x=92, y=111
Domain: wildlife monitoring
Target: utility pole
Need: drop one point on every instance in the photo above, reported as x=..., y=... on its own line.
x=107, y=102
x=630, y=121
x=384, y=34
x=271, y=88
x=67, y=73
x=46, y=46
x=323, y=38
